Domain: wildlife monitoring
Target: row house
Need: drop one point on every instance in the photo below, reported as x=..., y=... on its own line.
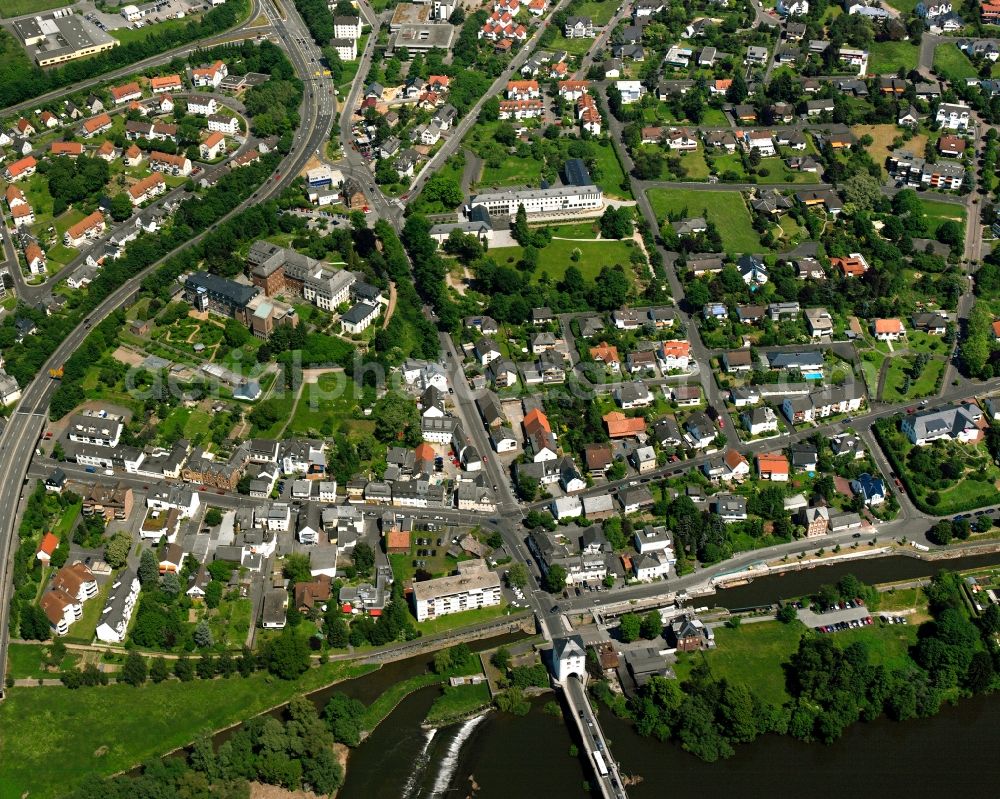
x=821, y=404
x=166, y=83
x=523, y=90
x=177, y=165
x=520, y=109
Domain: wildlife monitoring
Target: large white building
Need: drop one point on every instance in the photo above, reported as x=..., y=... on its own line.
x=118, y=612
x=475, y=586
x=537, y=202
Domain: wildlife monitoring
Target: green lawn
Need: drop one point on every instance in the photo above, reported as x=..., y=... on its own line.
x=775, y=169
x=600, y=11
x=464, y=619
x=887, y=645
x=890, y=56
x=99, y=731
x=904, y=6
x=923, y=386
x=725, y=208
x=952, y=63
x=457, y=701
x=556, y=258
x=571, y=46
x=514, y=171
x=25, y=661
x=128, y=35
x=936, y=212
x=15, y=8
x=751, y=654
x=610, y=174
x=331, y=404
x=83, y=629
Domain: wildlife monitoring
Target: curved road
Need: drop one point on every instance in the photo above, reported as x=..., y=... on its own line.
x=19, y=438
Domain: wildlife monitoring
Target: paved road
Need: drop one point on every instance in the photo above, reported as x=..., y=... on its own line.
x=472, y=114
x=18, y=441
x=236, y=33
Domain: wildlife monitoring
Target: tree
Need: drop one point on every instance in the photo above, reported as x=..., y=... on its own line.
x=34, y=624
x=616, y=223
x=287, y=656
x=630, y=627
x=134, y=670
x=203, y=634
x=295, y=567
x=158, y=671
x=121, y=207
x=651, y=625
x=149, y=569
x=336, y=629
x=863, y=191
x=117, y=549
x=443, y=189
x=170, y=585
x=787, y=614
x=363, y=557
x=397, y=420
x=517, y=576
x=940, y=533
x=343, y=716
x=213, y=517
x=949, y=232
x=501, y=659
x=555, y=579
x=184, y=669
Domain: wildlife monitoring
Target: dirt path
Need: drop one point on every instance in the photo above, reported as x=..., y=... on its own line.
x=391, y=308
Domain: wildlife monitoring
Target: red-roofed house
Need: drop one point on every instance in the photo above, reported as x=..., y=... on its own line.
x=48, y=545
x=888, y=329
x=168, y=83
x=772, y=466
x=126, y=92
x=854, y=265
x=209, y=76
x=608, y=355
x=95, y=125
x=71, y=149
x=23, y=168
x=35, y=257
x=674, y=355
x=621, y=426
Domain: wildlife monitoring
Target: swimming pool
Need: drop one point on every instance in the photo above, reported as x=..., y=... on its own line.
x=813, y=375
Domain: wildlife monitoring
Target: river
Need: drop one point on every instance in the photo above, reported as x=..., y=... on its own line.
x=529, y=756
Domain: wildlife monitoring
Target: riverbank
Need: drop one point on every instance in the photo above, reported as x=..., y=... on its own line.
x=101, y=731
x=457, y=703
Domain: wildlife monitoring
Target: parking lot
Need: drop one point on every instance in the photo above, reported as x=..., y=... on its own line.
x=852, y=617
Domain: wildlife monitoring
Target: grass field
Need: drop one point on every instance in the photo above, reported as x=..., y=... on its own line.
x=611, y=173
x=888, y=57
x=600, y=11
x=904, y=6
x=556, y=258
x=98, y=731
x=752, y=654
x=883, y=136
x=725, y=208
x=571, y=46
x=457, y=701
x=514, y=171
x=330, y=405
x=923, y=386
x=15, y=8
x=463, y=619
x=25, y=661
x=952, y=63
x=937, y=212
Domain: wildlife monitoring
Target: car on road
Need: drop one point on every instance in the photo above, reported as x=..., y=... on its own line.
x=856, y=535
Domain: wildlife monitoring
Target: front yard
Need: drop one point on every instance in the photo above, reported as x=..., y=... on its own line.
x=727, y=209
